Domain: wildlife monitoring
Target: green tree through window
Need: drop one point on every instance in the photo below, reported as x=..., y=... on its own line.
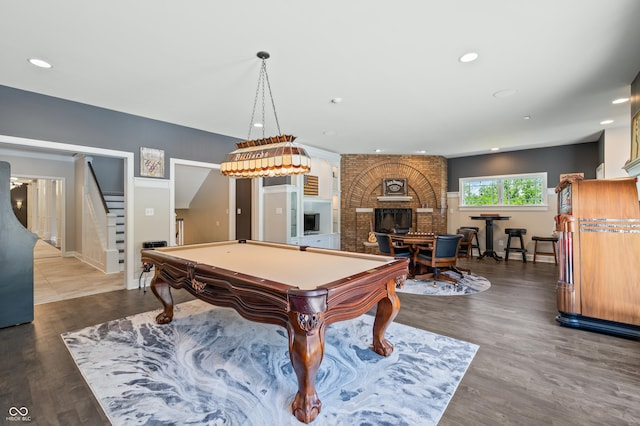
x=513, y=190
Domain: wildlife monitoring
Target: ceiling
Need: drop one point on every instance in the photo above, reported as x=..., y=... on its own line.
x=394, y=64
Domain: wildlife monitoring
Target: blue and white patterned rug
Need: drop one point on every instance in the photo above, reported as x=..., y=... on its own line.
x=468, y=284
x=212, y=367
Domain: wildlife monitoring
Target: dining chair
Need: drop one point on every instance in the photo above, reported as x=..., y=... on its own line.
x=442, y=255
x=466, y=245
x=466, y=242
x=388, y=247
x=476, y=243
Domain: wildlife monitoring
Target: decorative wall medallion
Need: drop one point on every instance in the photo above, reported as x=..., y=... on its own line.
x=394, y=186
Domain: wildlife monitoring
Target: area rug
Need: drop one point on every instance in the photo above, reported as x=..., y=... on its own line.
x=468, y=284
x=212, y=367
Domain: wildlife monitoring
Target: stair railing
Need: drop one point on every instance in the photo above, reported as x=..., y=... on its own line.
x=99, y=228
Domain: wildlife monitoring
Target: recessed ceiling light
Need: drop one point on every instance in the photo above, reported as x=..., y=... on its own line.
x=329, y=133
x=378, y=150
x=422, y=151
x=40, y=63
x=620, y=101
x=258, y=125
x=468, y=57
x=526, y=117
x=495, y=149
x=504, y=93
x=606, y=122
x=336, y=100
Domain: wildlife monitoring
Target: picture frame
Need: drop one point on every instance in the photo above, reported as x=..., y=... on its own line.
x=394, y=187
x=151, y=162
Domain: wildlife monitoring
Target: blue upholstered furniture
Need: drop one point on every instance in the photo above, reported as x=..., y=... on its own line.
x=443, y=255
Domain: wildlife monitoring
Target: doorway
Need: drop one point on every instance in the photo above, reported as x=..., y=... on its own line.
x=31, y=154
x=200, y=201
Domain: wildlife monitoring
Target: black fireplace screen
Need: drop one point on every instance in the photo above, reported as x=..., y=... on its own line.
x=388, y=219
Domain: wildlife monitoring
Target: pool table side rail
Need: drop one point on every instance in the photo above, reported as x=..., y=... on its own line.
x=259, y=299
x=364, y=292
x=254, y=299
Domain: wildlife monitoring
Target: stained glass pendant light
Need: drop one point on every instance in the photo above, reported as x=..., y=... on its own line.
x=267, y=156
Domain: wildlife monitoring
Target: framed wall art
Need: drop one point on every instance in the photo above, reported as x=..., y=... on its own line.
x=394, y=186
x=151, y=162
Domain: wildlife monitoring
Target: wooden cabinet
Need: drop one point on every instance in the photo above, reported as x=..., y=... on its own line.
x=598, y=223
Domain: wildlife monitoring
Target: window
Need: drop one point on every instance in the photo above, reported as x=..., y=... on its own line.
x=512, y=190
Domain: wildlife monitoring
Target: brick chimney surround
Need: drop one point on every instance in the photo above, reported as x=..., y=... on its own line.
x=361, y=193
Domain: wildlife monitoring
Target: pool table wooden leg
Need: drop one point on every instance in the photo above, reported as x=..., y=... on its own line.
x=162, y=291
x=306, y=349
x=385, y=314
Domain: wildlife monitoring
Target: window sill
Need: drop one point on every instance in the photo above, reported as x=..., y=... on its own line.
x=541, y=207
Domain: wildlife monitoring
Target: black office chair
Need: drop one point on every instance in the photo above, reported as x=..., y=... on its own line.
x=442, y=255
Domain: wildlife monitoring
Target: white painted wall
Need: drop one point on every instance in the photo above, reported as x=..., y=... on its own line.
x=151, y=214
x=617, y=143
x=539, y=222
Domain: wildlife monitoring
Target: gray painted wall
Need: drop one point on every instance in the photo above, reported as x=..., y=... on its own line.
x=578, y=158
x=35, y=116
x=110, y=173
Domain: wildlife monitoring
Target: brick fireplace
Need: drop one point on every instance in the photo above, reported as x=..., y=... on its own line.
x=362, y=193
x=388, y=219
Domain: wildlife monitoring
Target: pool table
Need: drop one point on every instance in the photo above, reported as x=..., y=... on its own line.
x=300, y=288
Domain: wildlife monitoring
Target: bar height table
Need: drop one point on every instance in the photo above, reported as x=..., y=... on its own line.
x=488, y=249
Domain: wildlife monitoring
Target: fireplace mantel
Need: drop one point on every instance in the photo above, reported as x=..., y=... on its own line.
x=395, y=198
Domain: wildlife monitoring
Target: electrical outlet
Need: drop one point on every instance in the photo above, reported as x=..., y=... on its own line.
x=149, y=211
x=501, y=243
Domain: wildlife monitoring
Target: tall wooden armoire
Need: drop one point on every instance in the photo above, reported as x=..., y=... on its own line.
x=598, y=225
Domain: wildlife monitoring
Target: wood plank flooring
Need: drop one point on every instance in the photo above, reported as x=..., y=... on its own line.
x=528, y=370
x=60, y=278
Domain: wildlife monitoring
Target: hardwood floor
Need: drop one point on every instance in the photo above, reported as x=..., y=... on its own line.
x=528, y=370
x=58, y=278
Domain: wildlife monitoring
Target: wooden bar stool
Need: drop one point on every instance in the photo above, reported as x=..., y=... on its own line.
x=516, y=233
x=552, y=240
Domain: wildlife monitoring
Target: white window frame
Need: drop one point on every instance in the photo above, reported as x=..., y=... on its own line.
x=544, y=205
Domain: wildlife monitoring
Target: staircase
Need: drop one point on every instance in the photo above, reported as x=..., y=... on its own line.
x=115, y=203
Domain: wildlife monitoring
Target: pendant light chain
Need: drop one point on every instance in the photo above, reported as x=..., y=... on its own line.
x=273, y=104
x=269, y=156
x=263, y=77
